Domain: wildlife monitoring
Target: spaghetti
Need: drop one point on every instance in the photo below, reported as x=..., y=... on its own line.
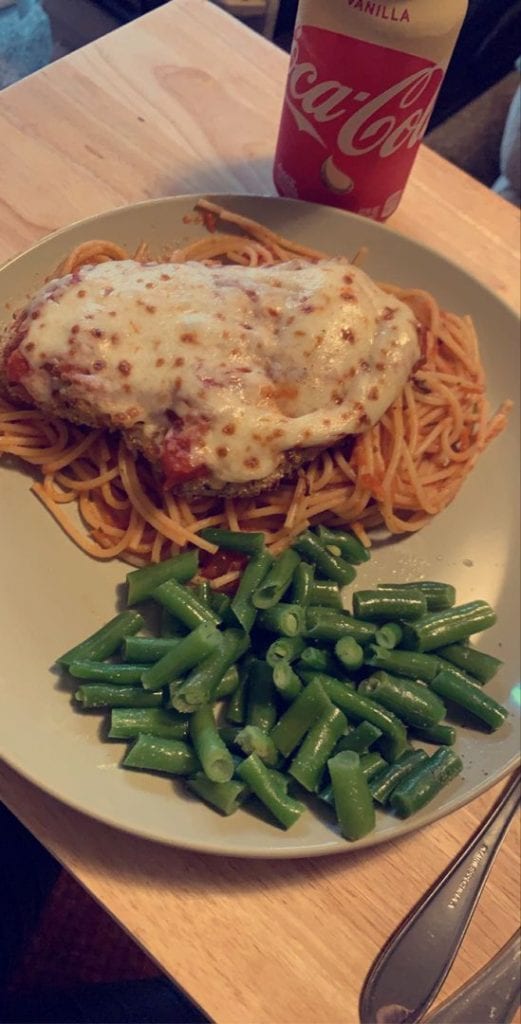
x=400, y=473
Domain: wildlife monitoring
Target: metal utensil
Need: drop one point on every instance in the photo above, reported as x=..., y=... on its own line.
x=410, y=970
x=492, y=994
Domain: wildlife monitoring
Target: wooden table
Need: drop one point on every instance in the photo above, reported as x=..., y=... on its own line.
x=188, y=100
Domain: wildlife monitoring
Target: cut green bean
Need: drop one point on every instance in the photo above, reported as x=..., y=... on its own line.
x=201, y=684
x=106, y=672
x=242, y=606
x=471, y=697
x=480, y=665
x=232, y=540
x=412, y=702
x=273, y=587
x=192, y=649
x=228, y=683
x=145, y=650
x=236, y=710
x=359, y=739
x=353, y=802
x=215, y=758
x=437, y=629
x=127, y=723
x=371, y=764
x=285, y=648
x=269, y=788
x=184, y=604
x=203, y=591
x=309, y=762
x=328, y=624
x=286, y=681
x=360, y=708
x=261, y=706
x=159, y=754
x=309, y=676
x=404, y=663
x=303, y=578
x=425, y=782
x=142, y=582
x=382, y=785
x=378, y=605
x=253, y=740
x=440, y=734
x=104, y=695
x=389, y=635
x=299, y=717
x=285, y=619
x=326, y=594
x=220, y=604
x=345, y=544
x=319, y=659
x=226, y=797
x=104, y=641
x=333, y=568
x=349, y=652
x=438, y=595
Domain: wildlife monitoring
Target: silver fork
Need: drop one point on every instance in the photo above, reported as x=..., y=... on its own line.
x=411, y=968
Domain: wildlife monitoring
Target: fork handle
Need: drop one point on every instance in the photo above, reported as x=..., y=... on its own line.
x=413, y=965
x=491, y=994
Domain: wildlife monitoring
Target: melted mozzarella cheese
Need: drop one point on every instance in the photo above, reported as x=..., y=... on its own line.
x=290, y=356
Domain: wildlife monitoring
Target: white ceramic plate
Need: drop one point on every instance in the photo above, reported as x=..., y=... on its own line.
x=53, y=595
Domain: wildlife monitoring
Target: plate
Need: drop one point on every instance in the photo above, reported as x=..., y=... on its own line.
x=53, y=595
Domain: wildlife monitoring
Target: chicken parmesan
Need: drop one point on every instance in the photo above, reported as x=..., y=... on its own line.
x=224, y=377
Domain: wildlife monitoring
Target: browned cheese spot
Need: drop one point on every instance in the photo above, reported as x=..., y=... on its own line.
x=229, y=428
x=124, y=367
x=348, y=334
x=160, y=361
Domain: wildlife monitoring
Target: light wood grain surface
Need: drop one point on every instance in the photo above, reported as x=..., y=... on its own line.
x=187, y=100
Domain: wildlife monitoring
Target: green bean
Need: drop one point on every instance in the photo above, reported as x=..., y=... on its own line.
x=127, y=723
x=159, y=754
x=261, y=707
x=285, y=619
x=270, y=790
x=201, y=684
x=327, y=594
x=404, y=663
x=226, y=797
x=349, y=652
x=302, y=583
x=425, y=782
x=309, y=762
x=253, y=740
x=330, y=566
x=359, y=739
x=318, y=659
x=203, y=591
x=236, y=710
x=438, y=595
x=169, y=627
x=382, y=785
x=286, y=680
x=242, y=606
x=346, y=544
x=437, y=629
x=187, y=653
x=362, y=709
x=228, y=683
x=221, y=604
x=371, y=764
x=215, y=758
x=233, y=540
x=375, y=605
x=328, y=624
x=184, y=604
x=471, y=697
x=441, y=734
x=143, y=582
x=285, y=648
x=353, y=803
x=480, y=665
x=299, y=717
x=103, y=695
x=104, y=641
x=145, y=650
x=389, y=635
x=106, y=672
x=309, y=676
x=273, y=587
x=414, y=703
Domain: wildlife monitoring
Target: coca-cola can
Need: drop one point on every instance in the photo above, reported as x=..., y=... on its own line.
x=362, y=84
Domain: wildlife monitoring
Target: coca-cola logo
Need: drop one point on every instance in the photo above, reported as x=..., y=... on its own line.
x=394, y=118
